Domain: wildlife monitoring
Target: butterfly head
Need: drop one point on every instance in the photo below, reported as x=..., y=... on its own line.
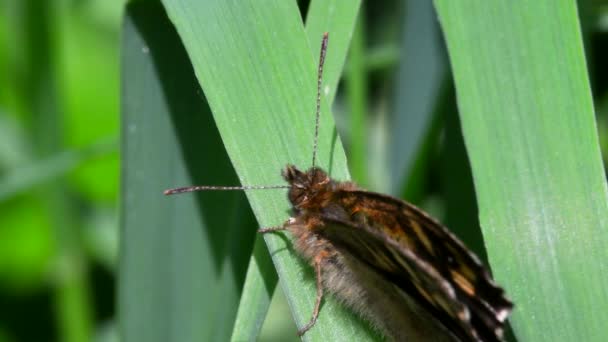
x=307, y=190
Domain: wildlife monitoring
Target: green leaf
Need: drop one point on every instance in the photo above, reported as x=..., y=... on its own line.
x=528, y=122
x=25, y=177
x=420, y=79
x=356, y=94
x=258, y=74
x=183, y=259
x=338, y=18
x=38, y=101
x=257, y=293
x=322, y=17
x=457, y=183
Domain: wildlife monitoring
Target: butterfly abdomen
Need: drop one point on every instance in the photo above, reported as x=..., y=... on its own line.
x=364, y=291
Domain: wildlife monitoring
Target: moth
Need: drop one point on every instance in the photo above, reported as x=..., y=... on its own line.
x=385, y=258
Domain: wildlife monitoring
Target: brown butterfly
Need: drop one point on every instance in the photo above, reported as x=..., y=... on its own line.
x=386, y=259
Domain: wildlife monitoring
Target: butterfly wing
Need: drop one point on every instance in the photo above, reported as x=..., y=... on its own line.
x=422, y=258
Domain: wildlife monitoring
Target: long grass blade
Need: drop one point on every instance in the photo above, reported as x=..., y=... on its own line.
x=527, y=116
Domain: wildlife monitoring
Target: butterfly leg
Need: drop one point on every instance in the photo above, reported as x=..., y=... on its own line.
x=315, y=311
x=271, y=229
x=277, y=229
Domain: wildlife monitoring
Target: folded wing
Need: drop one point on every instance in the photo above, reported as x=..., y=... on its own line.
x=422, y=258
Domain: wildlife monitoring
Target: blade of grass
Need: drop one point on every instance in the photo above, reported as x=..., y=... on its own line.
x=421, y=75
x=338, y=18
x=14, y=146
x=356, y=94
x=40, y=104
x=527, y=117
x=183, y=259
x=457, y=182
x=24, y=178
x=259, y=76
x=257, y=291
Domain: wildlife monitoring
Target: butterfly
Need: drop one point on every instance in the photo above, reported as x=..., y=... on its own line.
x=386, y=259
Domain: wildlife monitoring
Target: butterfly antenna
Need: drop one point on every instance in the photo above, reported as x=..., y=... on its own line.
x=221, y=188
x=319, y=85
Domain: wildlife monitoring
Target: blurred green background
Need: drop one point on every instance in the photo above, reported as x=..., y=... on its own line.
x=59, y=148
